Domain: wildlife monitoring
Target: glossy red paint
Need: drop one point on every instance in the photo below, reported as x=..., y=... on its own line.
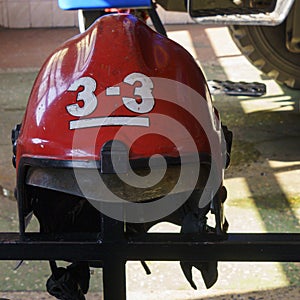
x=114, y=47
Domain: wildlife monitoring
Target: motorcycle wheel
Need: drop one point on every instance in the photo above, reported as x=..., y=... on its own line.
x=265, y=47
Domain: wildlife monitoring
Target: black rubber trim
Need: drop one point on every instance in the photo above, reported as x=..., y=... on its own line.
x=141, y=163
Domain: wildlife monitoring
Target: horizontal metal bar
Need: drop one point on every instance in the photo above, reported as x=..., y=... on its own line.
x=273, y=18
x=152, y=246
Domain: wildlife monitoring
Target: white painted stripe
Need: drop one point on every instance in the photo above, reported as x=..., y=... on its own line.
x=110, y=121
x=113, y=91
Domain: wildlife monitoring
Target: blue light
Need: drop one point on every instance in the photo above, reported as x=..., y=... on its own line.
x=101, y=4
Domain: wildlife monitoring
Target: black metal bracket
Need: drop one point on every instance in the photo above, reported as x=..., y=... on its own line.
x=281, y=247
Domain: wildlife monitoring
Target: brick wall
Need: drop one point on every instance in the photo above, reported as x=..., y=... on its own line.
x=35, y=13
x=46, y=13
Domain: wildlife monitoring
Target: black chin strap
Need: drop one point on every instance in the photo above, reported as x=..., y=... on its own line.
x=158, y=25
x=69, y=283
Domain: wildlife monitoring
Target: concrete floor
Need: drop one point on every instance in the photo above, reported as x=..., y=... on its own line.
x=263, y=181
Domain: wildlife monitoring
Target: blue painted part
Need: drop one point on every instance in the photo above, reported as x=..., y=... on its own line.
x=100, y=4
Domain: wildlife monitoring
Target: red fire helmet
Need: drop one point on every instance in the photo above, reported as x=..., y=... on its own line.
x=120, y=82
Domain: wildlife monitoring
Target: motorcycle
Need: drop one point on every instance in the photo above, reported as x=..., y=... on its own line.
x=266, y=32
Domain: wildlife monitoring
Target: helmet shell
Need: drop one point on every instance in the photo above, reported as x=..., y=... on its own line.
x=90, y=75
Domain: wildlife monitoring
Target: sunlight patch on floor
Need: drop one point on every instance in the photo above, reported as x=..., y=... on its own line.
x=184, y=38
x=280, y=103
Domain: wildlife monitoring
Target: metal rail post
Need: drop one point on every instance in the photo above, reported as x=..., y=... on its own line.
x=114, y=272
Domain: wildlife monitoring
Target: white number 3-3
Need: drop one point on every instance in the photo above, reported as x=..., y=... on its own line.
x=87, y=95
